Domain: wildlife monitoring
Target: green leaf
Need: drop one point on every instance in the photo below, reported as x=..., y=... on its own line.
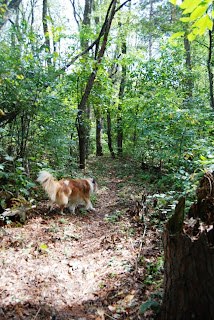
x=9, y=158
x=203, y=23
x=189, y=3
x=209, y=23
x=43, y=246
x=198, y=12
x=177, y=35
x=191, y=36
x=191, y=6
x=184, y=19
x=148, y=305
x=173, y=1
x=21, y=77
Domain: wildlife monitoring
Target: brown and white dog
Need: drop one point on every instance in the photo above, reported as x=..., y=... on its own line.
x=67, y=191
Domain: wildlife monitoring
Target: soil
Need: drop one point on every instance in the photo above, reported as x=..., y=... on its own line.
x=91, y=265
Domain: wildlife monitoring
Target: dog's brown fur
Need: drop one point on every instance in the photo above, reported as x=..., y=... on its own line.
x=67, y=191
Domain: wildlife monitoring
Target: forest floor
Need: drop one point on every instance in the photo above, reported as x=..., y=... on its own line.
x=98, y=265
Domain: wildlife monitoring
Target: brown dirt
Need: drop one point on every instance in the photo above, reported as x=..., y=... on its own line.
x=84, y=266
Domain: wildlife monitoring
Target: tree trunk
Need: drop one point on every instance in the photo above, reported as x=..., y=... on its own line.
x=189, y=277
x=88, y=130
x=189, y=259
x=81, y=124
x=99, y=149
x=109, y=134
x=150, y=27
x=189, y=83
x=86, y=23
x=121, y=94
x=209, y=67
x=45, y=29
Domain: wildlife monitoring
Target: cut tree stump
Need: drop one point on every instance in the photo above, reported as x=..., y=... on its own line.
x=189, y=259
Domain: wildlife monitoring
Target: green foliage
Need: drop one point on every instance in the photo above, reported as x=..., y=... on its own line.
x=113, y=217
x=164, y=129
x=14, y=177
x=151, y=304
x=198, y=11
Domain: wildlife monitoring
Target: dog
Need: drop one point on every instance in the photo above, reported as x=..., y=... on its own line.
x=67, y=191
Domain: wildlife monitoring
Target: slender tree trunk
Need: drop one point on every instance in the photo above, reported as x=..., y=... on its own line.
x=209, y=67
x=121, y=94
x=99, y=149
x=81, y=124
x=189, y=83
x=135, y=128
x=45, y=29
x=150, y=26
x=84, y=109
x=23, y=137
x=81, y=120
x=109, y=134
x=88, y=129
x=121, y=90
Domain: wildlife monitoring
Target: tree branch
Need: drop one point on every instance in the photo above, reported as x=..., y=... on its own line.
x=75, y=13
x=97, y=41
x=122, y=5
x=13, y=5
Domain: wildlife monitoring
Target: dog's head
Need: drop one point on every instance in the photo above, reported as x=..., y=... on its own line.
x=93, y=184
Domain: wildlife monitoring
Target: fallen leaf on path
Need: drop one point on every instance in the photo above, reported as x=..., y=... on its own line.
x=129, y=298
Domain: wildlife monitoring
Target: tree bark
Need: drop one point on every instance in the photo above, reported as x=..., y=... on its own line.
x=99, y=149
x=189, y=278
x=45, y=29
x=209, y=68
x=109, y=134
x=150, y=26
x=121, y=94
x=189, y=83
x=189, y=259
x=81, y=124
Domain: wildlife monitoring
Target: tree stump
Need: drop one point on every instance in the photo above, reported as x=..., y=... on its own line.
x=189, y=259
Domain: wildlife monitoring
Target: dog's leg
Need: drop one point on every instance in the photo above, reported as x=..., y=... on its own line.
x=72, y=207
x=88, y=205
x=50, y=205
x=61, y=208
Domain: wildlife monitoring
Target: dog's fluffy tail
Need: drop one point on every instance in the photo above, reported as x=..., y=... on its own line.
x=48, y=183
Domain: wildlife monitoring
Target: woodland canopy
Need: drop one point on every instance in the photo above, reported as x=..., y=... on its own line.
x=95, y=78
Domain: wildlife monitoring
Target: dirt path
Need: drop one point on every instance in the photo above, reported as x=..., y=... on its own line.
x=79, y=266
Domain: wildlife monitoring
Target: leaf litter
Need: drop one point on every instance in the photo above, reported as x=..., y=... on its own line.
x=82, y=266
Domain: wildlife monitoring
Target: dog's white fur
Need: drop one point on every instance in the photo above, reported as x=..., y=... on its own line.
x=67, y=191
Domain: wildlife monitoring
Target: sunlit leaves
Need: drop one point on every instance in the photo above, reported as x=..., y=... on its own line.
x=177, y=35
x=173, y=1
x=189, y=6
x=199, y=12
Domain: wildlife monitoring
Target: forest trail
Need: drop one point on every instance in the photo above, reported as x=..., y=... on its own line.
x=82, y=266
